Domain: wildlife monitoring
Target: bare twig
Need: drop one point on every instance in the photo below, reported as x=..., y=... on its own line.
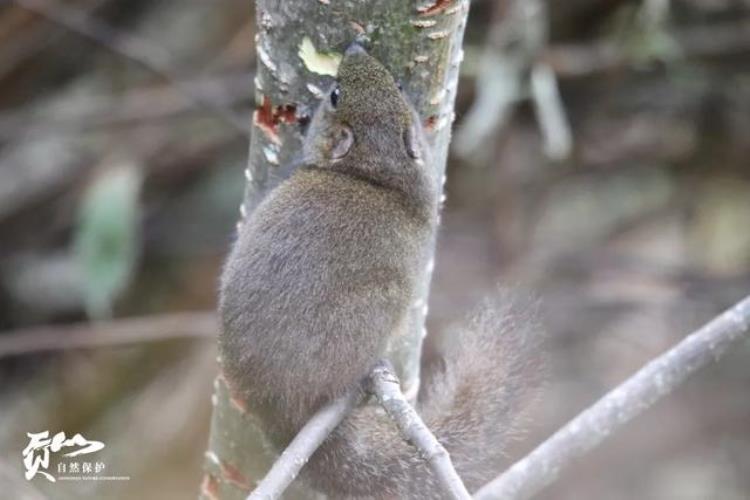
x=550, y=112
x=513, y=45
x=721, y=39
x=299, y=451
x=134, y=107
x=385, y=385
x=654, y=381
x=655, y=13
x=117, y=332
x=31, y=40
x=147, y=55
x=513, y=51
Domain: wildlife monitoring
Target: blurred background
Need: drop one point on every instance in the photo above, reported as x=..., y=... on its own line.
x=611, y=175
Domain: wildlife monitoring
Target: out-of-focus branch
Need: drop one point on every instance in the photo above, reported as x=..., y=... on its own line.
x=385, y=385
x=655, y=13
x=140, y=51
x=31, y=40
x=136, y=106
x=550, y=112
x=110, y=333
x=578, y=60
x=304, y=444
x=512, y=42
x=654, y=381
x=511, y=71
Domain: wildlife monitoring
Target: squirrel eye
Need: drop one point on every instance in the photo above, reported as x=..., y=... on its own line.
x=335, y=93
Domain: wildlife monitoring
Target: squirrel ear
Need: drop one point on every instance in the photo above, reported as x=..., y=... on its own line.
x=413, y=147
x=342, y=139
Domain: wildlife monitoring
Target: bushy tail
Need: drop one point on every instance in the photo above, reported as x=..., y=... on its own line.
x=474, y=401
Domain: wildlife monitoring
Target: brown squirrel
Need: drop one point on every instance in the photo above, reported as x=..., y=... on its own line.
x=324, y=272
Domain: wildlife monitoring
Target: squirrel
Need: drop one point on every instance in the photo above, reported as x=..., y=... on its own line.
x=324, y=272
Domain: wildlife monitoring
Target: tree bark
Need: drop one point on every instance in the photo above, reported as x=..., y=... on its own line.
x=298, y=44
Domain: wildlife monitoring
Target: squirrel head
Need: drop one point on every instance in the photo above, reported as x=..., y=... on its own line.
x=365, y=125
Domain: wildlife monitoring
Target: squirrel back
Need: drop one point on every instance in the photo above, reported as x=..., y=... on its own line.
x=325, y=271
x=311, y=295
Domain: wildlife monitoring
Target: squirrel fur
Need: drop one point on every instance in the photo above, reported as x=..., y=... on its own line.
x=324, y=272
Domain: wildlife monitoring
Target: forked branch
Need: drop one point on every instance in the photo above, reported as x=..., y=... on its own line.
x=385, y=385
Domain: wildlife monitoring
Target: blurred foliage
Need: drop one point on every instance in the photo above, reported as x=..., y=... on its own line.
x=106, y=236
x=643, y=39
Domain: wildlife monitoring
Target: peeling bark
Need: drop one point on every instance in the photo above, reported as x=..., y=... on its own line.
x=420, y=42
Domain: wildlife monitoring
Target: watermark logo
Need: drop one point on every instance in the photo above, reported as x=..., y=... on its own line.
x=42, y=447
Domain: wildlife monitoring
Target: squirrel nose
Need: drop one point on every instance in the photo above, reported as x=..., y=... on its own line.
x=355, y=48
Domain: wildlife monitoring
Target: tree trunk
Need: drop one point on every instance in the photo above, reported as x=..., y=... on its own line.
x=299, y=43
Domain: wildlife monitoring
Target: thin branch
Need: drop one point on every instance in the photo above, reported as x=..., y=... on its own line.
x=117, y=332
x=32, y=39
x=134, y=107
x=550, y=112
x=385, y=385
x=578, y=60
x=654, y=381
x=512, y=52
x=304, y=444
x=512, y=46
x=655, y=13
x=145, y=54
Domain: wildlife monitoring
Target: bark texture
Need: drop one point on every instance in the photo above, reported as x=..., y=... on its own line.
x=297, y=44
